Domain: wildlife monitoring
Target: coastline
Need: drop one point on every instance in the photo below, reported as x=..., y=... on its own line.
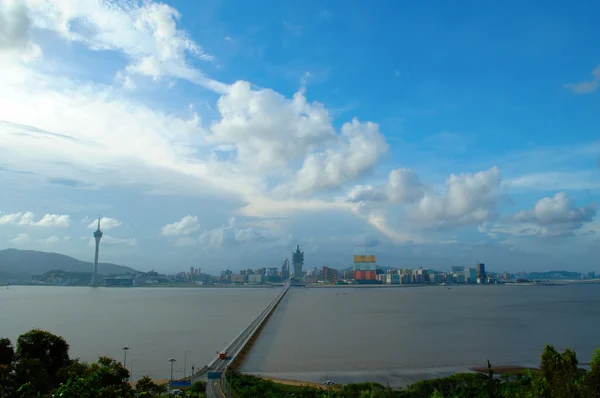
x=393, y=378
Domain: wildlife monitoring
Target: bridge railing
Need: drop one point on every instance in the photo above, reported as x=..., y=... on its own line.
x=254, y=324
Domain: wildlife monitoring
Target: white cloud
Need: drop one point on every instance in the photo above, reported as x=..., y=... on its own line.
x=185, y=226
x=555, y=216
x=469, y=199
x=186, y=241
x=54, y=220
x=15, y=37
x=266, y=129
x=51, y=240
x=145, y=32
x=588, y=86
x=21, y=239
x=552, y=181
x=361, y=147
x=232, y=234
x=17, y=218
x=112, y=241
x=106, y=223
x=27, y=218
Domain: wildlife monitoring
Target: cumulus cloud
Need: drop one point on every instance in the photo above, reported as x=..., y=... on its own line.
x=553, y=216
x=469, y=199
x=402, y=187
x=21, y=239
x=266, y=130
x=54, y=220
x=27, y=218
x=232, y=234
x=588, y=86
x=361, y=147
x=185, y=226
x=106, y=223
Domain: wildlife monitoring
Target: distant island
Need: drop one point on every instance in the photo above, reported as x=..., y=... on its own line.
x=24, y=264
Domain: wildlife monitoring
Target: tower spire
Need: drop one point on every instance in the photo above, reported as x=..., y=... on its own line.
x=98, y=220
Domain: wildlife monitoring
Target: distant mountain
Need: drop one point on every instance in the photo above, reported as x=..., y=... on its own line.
x=20, y=263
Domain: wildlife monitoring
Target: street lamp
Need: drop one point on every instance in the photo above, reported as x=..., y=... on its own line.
x=172, y=360
x=125, y=349
x=185, y=363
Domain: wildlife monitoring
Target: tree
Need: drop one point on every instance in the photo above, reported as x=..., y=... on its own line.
x=146, y=387
x=590, y=382
x=52, y=351
x=198, y=388
x=7, y=352
x=560, y=371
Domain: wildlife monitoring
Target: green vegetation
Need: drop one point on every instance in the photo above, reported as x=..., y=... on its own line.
x=40, y=366
x=559, y=377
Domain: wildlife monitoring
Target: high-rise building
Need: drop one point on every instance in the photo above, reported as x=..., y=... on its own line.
x=298, y=262
x=97, y=236
x=470, y=275
x=481, y=272
x=285, y=270
x=457, y=268
x=329, y=274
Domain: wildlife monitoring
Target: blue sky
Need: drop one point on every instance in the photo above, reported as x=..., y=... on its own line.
x=220, y=134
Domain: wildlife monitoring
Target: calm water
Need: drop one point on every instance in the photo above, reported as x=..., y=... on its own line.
x=399, y=335
x=157, y=323
x=394, y=335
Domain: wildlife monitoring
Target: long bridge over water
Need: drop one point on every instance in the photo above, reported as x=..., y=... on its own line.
x=231, y=356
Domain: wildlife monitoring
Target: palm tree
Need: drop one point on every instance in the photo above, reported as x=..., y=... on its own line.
x=198, y=388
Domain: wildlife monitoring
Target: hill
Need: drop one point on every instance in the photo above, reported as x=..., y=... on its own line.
x=18, y=263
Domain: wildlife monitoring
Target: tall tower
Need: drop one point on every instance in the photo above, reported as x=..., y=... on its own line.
x=97, y=235
x=298, y=262
x=285, y=270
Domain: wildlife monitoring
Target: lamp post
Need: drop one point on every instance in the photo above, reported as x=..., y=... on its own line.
x=185, y=363
x=125, y=349
x=172, y=360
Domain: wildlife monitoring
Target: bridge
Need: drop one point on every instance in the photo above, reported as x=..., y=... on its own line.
x=215, y=373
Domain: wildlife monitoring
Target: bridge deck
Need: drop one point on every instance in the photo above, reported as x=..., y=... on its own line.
x=214, y=387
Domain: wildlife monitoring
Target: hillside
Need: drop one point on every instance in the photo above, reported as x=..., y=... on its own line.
x=18, y=263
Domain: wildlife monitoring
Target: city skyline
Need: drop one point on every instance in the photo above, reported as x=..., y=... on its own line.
x=209, y=139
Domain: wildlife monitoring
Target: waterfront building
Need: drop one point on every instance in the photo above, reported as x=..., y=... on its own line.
x=481, y=275
x=329, y=274
x=470, y=275
x=457, y=268
x=285, y=270
x=298, y=262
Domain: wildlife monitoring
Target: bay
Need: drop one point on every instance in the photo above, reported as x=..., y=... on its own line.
x=156, y=323
x=400, y=335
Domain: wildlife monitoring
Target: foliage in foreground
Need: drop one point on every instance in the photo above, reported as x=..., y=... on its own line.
x=40, y=366
x=559, y=377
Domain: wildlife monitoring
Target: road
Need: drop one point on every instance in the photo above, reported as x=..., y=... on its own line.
x=213, y=387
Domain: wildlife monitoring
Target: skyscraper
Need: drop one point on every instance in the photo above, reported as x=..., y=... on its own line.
x=97, y=235
x=285, y=270
x=481, y=272
x=298, y=262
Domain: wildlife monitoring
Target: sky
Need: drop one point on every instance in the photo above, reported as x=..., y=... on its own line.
x=220, y=134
